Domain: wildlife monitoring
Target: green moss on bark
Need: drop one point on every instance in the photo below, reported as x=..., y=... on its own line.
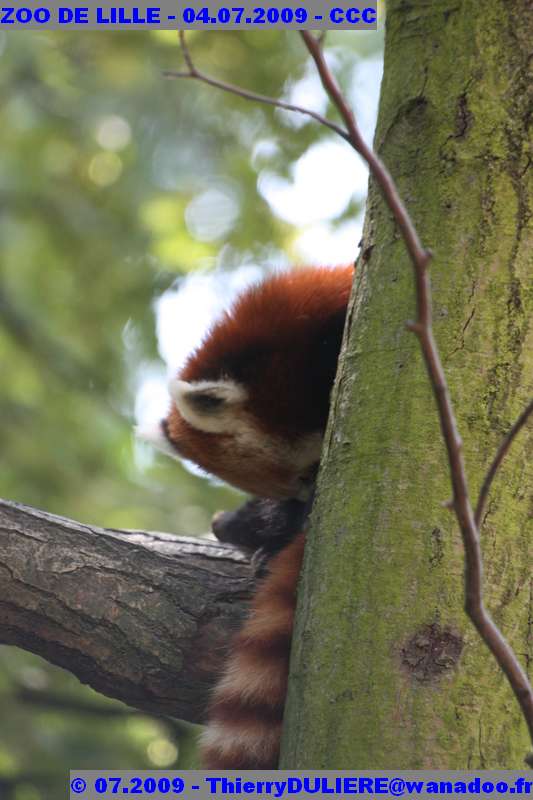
x=382, y=582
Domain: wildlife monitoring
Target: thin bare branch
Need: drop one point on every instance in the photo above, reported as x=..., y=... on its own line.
x=498, y=458
x=186, y=52
x=377, y=167
x=195, y=74
x=422, y=328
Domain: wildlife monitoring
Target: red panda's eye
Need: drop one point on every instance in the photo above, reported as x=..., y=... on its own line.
x=205, y=402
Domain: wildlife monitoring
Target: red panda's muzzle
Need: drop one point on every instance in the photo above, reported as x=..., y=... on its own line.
x=256, y=463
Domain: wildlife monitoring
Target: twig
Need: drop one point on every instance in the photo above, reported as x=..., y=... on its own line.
x=498, y=458
x=195, y=74
x=474, y=605
x=377, y=167
x=186, y=52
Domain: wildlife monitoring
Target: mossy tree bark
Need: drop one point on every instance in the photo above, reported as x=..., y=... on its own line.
x=387, y=672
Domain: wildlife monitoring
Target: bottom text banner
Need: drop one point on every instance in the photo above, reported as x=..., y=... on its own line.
x=98, y=784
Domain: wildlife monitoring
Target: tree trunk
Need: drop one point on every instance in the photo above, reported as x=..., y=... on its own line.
x=387, y=671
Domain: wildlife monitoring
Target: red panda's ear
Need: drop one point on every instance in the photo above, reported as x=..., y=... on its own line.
x=209, y=406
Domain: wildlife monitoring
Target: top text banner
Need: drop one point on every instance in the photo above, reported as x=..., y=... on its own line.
x=170, y=14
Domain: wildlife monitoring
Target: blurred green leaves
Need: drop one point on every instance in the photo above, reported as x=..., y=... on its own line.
x=113, y=182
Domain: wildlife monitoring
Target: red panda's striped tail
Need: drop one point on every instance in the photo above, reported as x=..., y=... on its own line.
x=246, y=713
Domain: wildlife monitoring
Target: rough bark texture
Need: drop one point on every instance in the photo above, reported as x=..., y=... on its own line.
x=142, y=617
x=386, y=670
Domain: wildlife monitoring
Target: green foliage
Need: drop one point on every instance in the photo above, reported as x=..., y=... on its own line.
x=102, y=161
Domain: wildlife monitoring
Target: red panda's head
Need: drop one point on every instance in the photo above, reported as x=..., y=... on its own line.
x=213, y=424
x=251, y=403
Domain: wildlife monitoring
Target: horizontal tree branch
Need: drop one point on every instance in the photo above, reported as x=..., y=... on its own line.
x=141, y=617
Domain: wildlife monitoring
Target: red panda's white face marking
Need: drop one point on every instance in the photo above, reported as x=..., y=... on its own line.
x=210, y=406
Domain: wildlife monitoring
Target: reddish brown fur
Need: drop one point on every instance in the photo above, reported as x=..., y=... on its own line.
x=284, y=306
x=280, y=340
x=278, y=317
x=253, y=706
x=223, y=456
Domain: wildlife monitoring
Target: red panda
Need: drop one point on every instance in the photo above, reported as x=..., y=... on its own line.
x=250, y=406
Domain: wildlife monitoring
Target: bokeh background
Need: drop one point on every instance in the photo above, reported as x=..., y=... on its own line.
x=131, y=206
